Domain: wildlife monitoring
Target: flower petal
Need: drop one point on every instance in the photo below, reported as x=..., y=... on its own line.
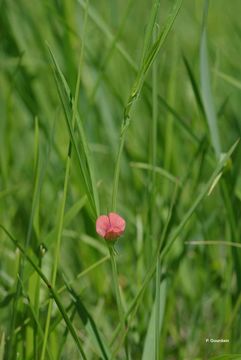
x=102, y=225
x=117, y=222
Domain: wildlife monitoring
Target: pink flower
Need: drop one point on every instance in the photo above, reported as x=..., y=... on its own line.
x=110, y=226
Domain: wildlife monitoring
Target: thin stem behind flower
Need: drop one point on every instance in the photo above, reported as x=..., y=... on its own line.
x=116, y=286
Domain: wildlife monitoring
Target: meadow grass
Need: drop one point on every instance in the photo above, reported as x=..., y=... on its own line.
x=132, y=107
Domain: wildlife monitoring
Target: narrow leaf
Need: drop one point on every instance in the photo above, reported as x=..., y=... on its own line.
x=149, y=348
x=83, y=156
x=206, y=91
x=90, y=326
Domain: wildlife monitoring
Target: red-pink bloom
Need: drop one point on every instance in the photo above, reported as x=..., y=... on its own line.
x=110, y=226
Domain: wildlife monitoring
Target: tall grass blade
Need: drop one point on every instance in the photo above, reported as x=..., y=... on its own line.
x=149, y=349
x=206, y=91
x=52, y=292
x=136, y=89
x=2, y=346
x=173, y=236
x=199, y=198
x=90, y=326
x=83, y=154
x=150, y=28
x=194, y=85
x=34, y=209
x=103, y=27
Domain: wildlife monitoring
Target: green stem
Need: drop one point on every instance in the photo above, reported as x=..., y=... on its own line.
x=117, y=171
x=153, y=199
x=56, y=258
x=157, y=312
x=116, y=286
x=36, y=309
x=66, y=181
x=120, y=307
x=52, y=291
x=35, y=201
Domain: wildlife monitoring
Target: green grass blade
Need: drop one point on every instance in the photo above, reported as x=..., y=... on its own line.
x=35, y=317
x=56, y=254
x=2, y=346
x=157, y=46
x=34, y=209
x=84, y=160
x=110, y=51
x=103, y=27
x=90, y=325
x=69, y=215
x=227, y=357
x=206, y=91
x=60, y=290
x=136, y=89
x=214, y=242
x=149, y=352
x=53, y=293
x=199, y=198
x=84, y=273
x=153, y=159
x=173, y=236
x=156, y=169
x=149, y=274
x=194, y=85
x=66, y=182
x=150, y=28
x=149, y=58
x=229, y=79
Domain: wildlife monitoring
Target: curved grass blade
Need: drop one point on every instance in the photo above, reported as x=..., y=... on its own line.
x=103, y=27
x=136, y=89
x=90, y=325
x=83, y=155
x=173, y=236
x=58, y=291
x=60, y=222
x=156, y=169
x=52, y=291
x=199, y=198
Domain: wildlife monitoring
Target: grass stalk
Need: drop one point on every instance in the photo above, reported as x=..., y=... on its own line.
x=56, y=256
x=121, y=311
x=162, y=251
x=153, y=199
x=136, y=89
x=63, y=202
x=34, y=208
x=157, y=312
x=52, y=291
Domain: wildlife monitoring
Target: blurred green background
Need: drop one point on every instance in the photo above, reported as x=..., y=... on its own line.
x=200, y=288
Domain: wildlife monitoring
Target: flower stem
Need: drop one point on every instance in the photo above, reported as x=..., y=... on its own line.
x=116, y=286
x=157, y=310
